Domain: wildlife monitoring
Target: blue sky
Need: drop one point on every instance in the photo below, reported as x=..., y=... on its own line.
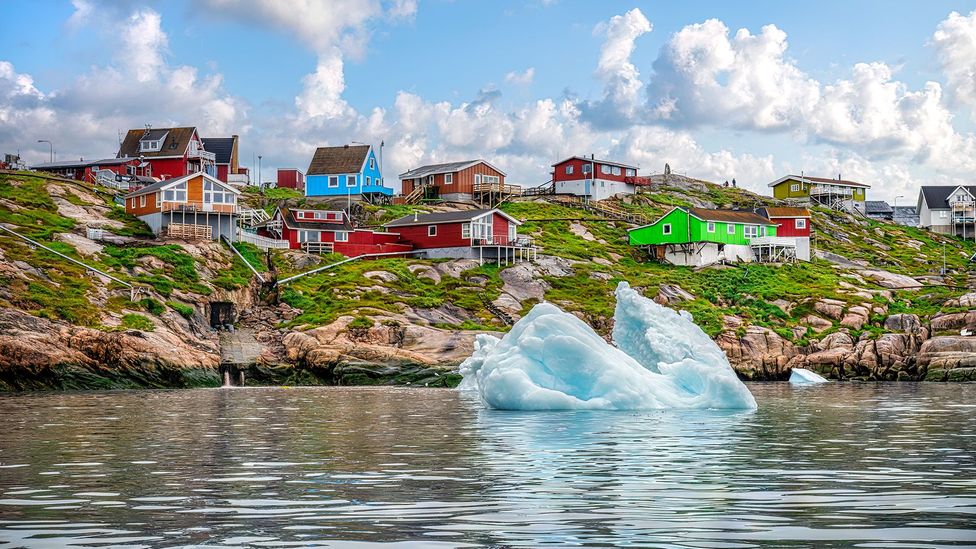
x=439, y=80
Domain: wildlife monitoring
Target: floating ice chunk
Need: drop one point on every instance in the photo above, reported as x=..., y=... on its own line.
x=551, y=360
x=800, y=376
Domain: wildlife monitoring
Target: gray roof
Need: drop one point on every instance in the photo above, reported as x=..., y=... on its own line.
x=431, y=169
x=222, y=147
x=434, y=218
x=877, y=207
x=937, y=196
x=154, y=135
x=78, y=163
x=905, y=211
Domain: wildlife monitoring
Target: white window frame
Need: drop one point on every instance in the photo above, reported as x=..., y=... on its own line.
x=369, y=181
x=666, y=228
x=569, y=170
x=333, y=179
x=372, y=163
x=449, y=179
x=631, y=172
x=587, y=168
x=751, y=231
x=605, y=169
x=466, y=230
x=730, y=228
x=342, y=236
x=795, y=188
x=142, y=201
x=710, y=226
x=800, y=223
x=615, y=170
x=943, y=214
x=352, y=178
x=431, y=230
x=159, y=198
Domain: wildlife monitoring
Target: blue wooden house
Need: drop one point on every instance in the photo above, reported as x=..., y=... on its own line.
x=349, y=170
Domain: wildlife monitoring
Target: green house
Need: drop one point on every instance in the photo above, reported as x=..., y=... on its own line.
x=829, y=192
x=700, y=236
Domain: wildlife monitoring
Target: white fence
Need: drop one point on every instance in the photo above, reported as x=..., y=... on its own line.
x=262, y=242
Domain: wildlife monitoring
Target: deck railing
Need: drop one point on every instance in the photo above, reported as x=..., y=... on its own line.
x=318, y=247
x=497, y=188
x=196, y=206
x=262, y=242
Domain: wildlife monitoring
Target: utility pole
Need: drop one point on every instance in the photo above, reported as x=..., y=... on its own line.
x=51, y=145
x=260, y=181
x=943, y=258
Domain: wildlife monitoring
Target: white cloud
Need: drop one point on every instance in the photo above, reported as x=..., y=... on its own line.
x=621, y=79
x=955, y=44
x=521, y=78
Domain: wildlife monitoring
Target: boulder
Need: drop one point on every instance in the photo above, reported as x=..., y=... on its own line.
x=581, y=231
x=831, y=308
x=903, y=322
x=890, y=280
x=946, y=358
x=456, y=267
x=385, y=276
x=855, y=318
x=425, y=271
x=816, y=323
x=601, y=261
x=670, y=294
x=760, y=353
x=953, y=321
x=522, y=282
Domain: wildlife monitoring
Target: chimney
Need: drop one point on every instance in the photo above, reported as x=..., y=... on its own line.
x=838, y=177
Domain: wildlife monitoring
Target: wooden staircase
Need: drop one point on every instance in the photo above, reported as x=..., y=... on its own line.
x=415, y=195
x=604, y=208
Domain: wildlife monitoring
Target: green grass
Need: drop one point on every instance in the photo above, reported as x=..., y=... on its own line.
x=152, y=306
x=134, y=321
x=179, y=273
x=183, y=309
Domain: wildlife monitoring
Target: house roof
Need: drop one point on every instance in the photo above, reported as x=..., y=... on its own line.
x=338, y=160
x=448, y=167
x=79, y=163
x=222, y=147
x=446, y=217
x=177, y=140
x=292, y=222
x=905, y=211
x=166, y=183
x=597, y=161
x=937, y=196
x=783, y=211
x=877, y=207
x=824, y=180
x=729, y=216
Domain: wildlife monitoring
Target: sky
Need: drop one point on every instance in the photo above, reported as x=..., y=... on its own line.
x=878, y=92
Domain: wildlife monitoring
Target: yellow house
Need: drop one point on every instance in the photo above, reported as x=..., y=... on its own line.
x=828, y=192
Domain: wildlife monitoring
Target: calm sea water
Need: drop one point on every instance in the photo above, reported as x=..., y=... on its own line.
x=844, y=465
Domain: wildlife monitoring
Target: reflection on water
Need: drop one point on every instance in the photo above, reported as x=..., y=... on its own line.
x=888, y=465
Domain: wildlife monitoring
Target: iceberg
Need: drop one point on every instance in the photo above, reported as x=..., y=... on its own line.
x=800, y=376
x=552, y=360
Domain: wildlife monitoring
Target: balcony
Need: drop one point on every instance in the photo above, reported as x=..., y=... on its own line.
x=783, y=241
x=202, y=155
x=196, y=206
x=238, y=179
x=817, y=190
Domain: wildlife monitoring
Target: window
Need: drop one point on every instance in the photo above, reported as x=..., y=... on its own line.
x=711, y=226
x=431, y=230
x=448, y=178
x=333, y=181
x=616, y=170
x=943, y=214
x=800, y=224
x=146, y=146
x=350, y=180
x=177, y=193
x=666, y=229
x=569, y=169
x=369, y=181
x=587, y=168
x=631, y=173
x=605, y=169
x=730, y=228
x=466, y=230
x=142, y=201
x=751, y=231
x=372, y=163
x=490, y=179
x=512, y=232
x=342, y=236
x=132, y=202
x=795, y=188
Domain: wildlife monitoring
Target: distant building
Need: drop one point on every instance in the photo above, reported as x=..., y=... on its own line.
x=226, y=159
x=195, y=206
x=794, y=223
x=455, y=181
x=948, y=209
x=593, y=178
x=878, y=209
x=92, y=170
x=699, y=236
x=905, y=215
x=169, y=152
x=349, y=170
x=291, y=178
x=833, y=193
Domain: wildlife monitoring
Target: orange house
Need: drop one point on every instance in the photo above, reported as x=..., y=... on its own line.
x=194, y=206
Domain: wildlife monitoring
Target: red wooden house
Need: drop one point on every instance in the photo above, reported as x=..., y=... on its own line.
x=592, y=177
x=291, y=178
x=791, y=223
x=225, y=154
x=454, y=180
x=473, y=234
x=169, y=152
x=328, y=231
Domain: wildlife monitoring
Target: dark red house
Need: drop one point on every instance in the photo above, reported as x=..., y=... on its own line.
x=225, y=154
x=291, y=178
x=169, y=152
x=453, y=180
x=789, y=221
x=592, y=177
x=473, y=234
x=328, y=231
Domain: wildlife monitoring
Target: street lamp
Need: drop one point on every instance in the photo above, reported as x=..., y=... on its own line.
x=260, y=181
x=50, y=145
